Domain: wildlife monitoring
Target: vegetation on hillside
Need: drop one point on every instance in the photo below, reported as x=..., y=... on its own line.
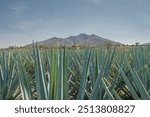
x=75, y=74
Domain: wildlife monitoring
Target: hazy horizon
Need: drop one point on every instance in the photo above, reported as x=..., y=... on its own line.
x=124, y=21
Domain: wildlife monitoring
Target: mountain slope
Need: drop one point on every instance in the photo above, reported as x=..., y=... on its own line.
x=79, y=40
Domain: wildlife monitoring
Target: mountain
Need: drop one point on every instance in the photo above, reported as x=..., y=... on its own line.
x=146, y=43
x=81, y=40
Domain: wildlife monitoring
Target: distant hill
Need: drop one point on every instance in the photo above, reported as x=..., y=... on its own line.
x=81, y=40
x=146, y=43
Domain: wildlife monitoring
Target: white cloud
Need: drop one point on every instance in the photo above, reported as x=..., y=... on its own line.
x=144, y=2
x=99, y=2
x=35, y=25
x=96, y=1
x=37, y=29
x=141, y=2
x=17, y=9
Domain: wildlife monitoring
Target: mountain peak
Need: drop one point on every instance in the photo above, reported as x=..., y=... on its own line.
x=83, y=34
x=93, y=35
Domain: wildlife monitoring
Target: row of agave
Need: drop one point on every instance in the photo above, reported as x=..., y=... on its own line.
x=85, y=74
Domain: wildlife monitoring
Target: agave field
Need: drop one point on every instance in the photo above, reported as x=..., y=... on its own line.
x=75, y=74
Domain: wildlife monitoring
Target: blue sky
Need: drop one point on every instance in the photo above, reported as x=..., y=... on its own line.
x=125, y=21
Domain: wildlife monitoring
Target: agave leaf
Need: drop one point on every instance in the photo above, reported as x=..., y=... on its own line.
x=39, y=75
x=133, y=92
x=138, y=82
x=107, y=90
x=24, y=83
x=84, y=76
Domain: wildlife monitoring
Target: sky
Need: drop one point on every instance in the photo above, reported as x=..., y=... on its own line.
x=22, y=21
